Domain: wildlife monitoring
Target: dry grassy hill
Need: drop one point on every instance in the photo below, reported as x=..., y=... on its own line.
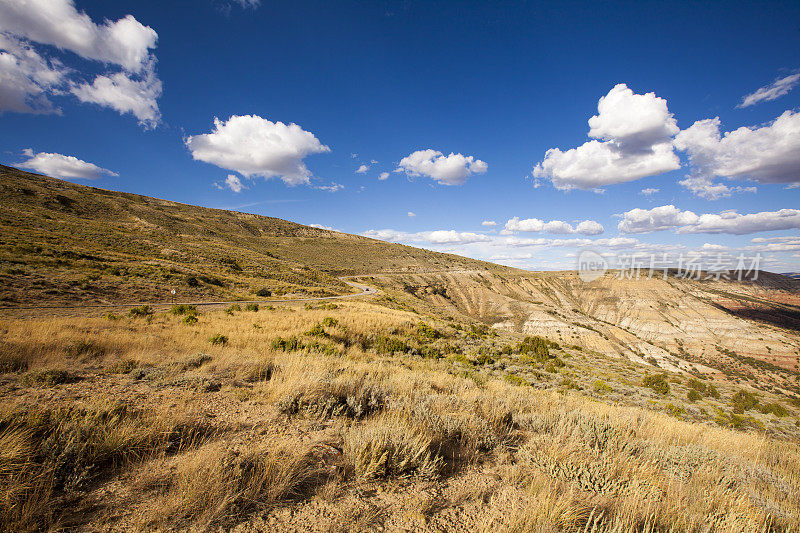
x=66, y=243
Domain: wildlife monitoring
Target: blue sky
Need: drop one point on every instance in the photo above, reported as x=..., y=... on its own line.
x=496, y=85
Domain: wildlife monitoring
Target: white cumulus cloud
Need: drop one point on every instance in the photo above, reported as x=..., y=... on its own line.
x=254, y=146
x=767, y=154
x=437, y=237
x=125, y=94
x=776, y=89
x=636, y=141
x=383, y=176
x=362, y=169
x=730, y=222
x=28, y=78
x=63, y=166
x=234, y=183
x=453, y=169
x=586, y=227
x=489, y=223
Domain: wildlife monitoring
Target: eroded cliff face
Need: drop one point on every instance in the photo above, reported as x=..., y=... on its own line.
x=714, y=326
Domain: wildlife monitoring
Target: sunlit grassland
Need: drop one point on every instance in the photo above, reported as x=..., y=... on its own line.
x=177, y=432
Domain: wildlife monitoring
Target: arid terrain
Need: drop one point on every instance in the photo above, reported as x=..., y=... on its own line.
x=458, y=396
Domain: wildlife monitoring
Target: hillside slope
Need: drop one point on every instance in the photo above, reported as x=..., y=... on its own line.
x=739, y=331
x=67, y=243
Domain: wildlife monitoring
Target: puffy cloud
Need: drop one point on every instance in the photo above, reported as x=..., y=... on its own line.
x=595, y=164
x=704, y=187
x=776, y=89
x=649, y=191
x=28, y=79
x=438, y=237
x=489, y=223
x=730, y=222
x=636, y=141
x=768, y=154
x=125, y=42
x=234, y=183
x=455, y=237
x=63, y=166
x=362, y=169
x=736, y=224
x=776, y=244
x=383, y=176
x=453, y=169
x=125, y=94
x=255, y=146
x=587, y=227
x=656, y=219
x=634, y=122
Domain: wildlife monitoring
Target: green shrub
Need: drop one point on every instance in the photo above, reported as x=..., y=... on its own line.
x=112, y=317
x=183, y=309
x=537, y=346
x=287, y=345
x=251, y=307
x=190, y=319
x=693, y=395
x=330, y=322
x=601, y=387
x=657, y=382
x=743, y=401
x=515, y=380
x=425, y=332
x=264, y=293
x=674, y=410
x=192, y=281
x=218, y=339
x=697, y=385
x=484, y=357
x=141, y=311
x=230, y=310
x=712, y=391
x=390, y=345
x=316, y=331
x=773, y=408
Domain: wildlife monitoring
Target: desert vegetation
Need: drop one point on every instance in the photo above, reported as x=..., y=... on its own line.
x=462, y=396
x=368, y=416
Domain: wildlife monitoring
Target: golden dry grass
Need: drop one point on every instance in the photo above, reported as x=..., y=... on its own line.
x=299, y=429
